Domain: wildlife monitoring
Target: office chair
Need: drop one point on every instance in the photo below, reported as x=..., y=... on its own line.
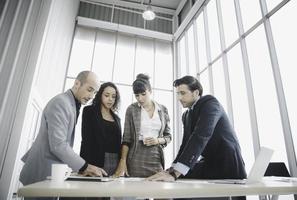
x=276, y=169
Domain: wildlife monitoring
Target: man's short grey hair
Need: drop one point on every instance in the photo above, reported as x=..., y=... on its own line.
x=82, y=76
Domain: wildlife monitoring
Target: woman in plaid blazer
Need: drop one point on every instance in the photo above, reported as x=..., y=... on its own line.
x=146, y=133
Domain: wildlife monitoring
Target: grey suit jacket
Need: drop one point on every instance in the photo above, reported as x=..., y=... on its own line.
x=54, y=141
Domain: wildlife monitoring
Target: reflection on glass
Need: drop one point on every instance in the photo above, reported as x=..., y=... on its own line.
x=242, y=122
x=144, y=60
x=214, y=37
x=104, y=54
x=219, y=83
x=182, y=56
x=201, y=42
x=229, y=21
x=82, y=51
x=192, y=61
x=124, y=59
x=268, y=116
x=166, y=98
x=251, y=12
x=163, y=65
x=285, y=43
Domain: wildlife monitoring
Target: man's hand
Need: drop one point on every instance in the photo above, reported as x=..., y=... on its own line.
x=94, y=171
x=121, y=169
x=149, y=141
x=161, y=176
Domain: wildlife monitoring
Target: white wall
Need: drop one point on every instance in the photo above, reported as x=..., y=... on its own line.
x=35, y=38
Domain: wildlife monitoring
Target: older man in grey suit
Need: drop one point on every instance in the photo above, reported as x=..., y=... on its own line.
x=56, y=134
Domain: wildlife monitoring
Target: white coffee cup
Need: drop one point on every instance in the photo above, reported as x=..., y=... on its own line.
x=60, y=172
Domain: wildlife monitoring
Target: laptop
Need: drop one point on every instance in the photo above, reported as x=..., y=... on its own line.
x=257, y=172
x=89, y=178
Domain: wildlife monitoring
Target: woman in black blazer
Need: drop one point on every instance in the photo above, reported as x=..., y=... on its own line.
x=101, y=129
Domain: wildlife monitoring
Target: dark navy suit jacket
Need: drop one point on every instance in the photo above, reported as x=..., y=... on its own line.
x=208, y=132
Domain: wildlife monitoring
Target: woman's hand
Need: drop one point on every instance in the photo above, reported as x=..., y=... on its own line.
x=150, y=141
x=121, y=169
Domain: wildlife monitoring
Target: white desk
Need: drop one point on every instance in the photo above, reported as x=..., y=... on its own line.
x=125, y=187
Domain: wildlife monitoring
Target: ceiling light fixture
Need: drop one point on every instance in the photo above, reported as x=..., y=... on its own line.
x=148, y=14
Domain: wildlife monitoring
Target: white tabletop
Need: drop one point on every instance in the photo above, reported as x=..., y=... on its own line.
x=137, y=187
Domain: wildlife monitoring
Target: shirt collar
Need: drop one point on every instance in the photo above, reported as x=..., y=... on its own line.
x=192, y=107
x=77, y=103
x=155, y=103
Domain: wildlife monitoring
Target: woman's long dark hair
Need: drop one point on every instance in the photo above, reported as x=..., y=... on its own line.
x=97, y=101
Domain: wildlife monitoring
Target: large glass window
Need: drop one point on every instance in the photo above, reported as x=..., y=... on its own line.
x=201, y=42
x=191, y=46
x=124, y=59
x=144, y=61
x=118, y=58
x=214, y=37
x=251, y=12
x=104, y=54
x=182, y=57
x=286, y=44
x=229, y=21
x=204, y=80
x=219, y=83
x=272, y=3
x=241, y=113
x=82, y=51
x=268, y=116
x=163, y=66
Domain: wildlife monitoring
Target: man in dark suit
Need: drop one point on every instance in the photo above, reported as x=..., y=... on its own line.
x=209, y=149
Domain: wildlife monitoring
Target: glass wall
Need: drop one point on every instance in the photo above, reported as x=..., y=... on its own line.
x=119, y=58
x=259, y=41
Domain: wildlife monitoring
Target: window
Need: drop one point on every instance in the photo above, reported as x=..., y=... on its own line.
x=240, y=105
x=201, y=41
x=286, y=43
x=268, y=116
x=229, y=21
x=119, y=58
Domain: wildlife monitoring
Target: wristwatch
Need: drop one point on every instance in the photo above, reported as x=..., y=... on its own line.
x=172, y=173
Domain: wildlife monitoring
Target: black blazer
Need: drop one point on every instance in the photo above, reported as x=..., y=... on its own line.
x=208, y=132
x=92, y=144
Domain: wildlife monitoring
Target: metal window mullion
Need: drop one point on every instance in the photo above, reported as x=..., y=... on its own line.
x=280, y=93
x=248, y=81
x=154, y=62
x=208, y=53
x=178, y=126
x=196, y=51
x=225, y=62
x=114, y=55
x=94, y=48
x=178, y=67
x=112, y=13
x=187, y=52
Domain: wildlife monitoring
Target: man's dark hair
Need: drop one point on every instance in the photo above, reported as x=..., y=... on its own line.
x=141, y=84
x=191, y=82
x=97, y=101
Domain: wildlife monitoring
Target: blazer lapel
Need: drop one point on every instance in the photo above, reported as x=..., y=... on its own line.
x=161, y=116
x=137, y=120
